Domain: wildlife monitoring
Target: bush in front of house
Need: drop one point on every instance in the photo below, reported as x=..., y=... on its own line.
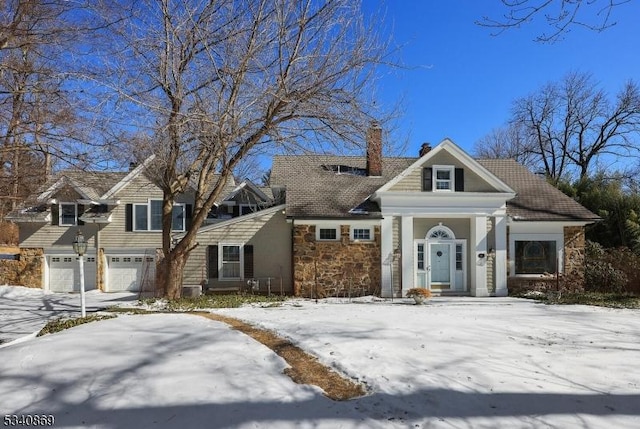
x=601, y=275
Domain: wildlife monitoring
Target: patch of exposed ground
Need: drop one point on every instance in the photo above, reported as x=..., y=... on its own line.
x=305, y=369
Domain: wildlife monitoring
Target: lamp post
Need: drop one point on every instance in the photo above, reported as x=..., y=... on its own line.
x=80, y=247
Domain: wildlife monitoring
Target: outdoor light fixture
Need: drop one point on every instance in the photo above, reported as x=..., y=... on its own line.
x=80, y=247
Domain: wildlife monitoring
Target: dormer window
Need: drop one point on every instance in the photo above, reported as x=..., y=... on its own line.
x=443, y=178
x=68, y=214
x=345, y=169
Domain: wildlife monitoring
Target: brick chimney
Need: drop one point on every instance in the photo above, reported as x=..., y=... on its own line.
x=425, y=149
x=374, y=150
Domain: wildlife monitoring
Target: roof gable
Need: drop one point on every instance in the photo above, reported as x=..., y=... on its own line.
x=88, y=185
x=129, y=178
x=247, y=186
x=447, y=150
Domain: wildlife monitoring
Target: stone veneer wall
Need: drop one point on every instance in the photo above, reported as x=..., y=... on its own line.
x=574, y=254
x=24, y=272
x=335, y=268
x=572, y=279
x=100, y=263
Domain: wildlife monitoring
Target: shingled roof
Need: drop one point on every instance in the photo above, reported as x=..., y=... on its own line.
x=316, y=191
x=94, y=184
x=313, y=190
x=536, y=199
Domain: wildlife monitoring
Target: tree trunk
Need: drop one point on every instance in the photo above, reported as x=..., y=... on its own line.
x=169, y=274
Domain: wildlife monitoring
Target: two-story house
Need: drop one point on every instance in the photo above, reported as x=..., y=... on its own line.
x=119, y=214
x=327, y=225
x=442, y=221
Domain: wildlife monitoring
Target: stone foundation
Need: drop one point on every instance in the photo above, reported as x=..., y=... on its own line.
x=335, y=268
x=27, y=271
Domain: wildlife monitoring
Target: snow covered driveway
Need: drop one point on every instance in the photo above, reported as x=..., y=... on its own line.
x=25, y=311
x=457, y=362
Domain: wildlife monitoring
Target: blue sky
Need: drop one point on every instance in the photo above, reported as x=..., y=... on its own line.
x=459, y=81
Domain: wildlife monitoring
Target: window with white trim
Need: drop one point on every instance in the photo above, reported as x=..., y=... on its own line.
x=459, y=256
x=536, y=257
x=231, y=262
x=420, y=256
x=327, y=234
x=443, y=177
x=361, y=233
x=148, y=217
x=68, y=214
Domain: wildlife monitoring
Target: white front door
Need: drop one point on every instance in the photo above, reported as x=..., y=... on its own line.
x=440, y=264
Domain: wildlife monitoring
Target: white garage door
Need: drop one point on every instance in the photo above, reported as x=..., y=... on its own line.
x=64, y=273
x=130, y=272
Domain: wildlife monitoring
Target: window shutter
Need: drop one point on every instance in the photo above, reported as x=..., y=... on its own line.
x=55, y=214
x=128, y=214
x=212, y=264
x=248, y=261
x=427, y=179
x=459, y=179
x=188, y=216
x=80, y=213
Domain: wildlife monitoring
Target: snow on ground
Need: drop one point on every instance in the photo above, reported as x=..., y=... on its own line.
x=24, y=311
x=456, y=362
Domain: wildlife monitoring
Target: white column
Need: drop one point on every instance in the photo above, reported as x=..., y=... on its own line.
x=386, y=256
x=479, y=256
x=500, y=259
x=407, y=253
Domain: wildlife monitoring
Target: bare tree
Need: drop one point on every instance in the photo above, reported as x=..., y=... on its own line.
x=560, y=16
x=214, y=82
x=570, y=125
x=37, y=112
x=508, y=142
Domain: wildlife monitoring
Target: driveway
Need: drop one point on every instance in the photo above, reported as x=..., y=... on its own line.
x=25, y=311
x=456, y=362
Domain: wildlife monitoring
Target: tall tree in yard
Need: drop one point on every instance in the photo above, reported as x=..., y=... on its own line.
x=568, y=126
x=37, y=111
x=215, y=81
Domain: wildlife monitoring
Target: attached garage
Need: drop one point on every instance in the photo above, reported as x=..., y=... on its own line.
x=130, y=273
x=64, y=273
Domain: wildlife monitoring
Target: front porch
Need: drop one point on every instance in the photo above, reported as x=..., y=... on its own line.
x=452, y=255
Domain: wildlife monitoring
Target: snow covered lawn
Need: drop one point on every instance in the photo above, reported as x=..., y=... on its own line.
x=457, y=362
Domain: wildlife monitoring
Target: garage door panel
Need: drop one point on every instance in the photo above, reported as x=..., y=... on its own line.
x=64, y=273
x=127, y=273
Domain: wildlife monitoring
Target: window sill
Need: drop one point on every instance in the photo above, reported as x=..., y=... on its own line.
x=534, y=276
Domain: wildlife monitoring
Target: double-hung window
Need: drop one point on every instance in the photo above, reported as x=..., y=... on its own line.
x=148, y=217
x=231, y=262
x=443, y=178
x=68, y=214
